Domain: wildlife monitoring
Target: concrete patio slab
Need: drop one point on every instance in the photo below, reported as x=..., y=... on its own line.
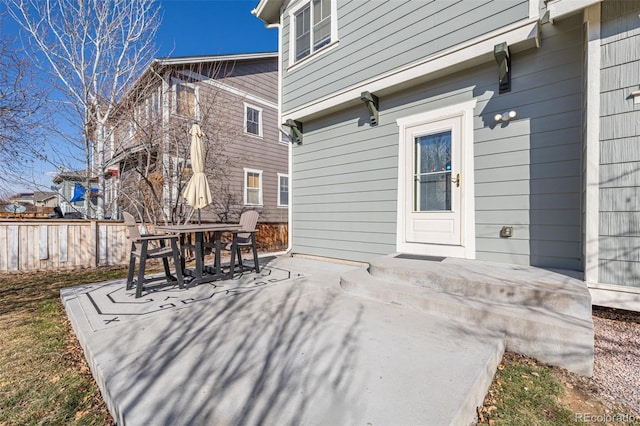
x=286, y=346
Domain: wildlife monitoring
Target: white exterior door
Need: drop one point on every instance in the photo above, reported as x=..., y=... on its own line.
x=435, y=182
x=433, y=176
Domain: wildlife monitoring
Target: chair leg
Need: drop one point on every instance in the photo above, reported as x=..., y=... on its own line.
x=239, y=254
x=233, y=251
x=143, y=261
x=167, y=271
x=165, y=264
x=132, y=267
x=255, y=253
x=177, y=263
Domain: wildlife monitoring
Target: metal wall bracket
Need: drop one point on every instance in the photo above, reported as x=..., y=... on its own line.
x=296, y=131
x=503, y=59
x=371, y=101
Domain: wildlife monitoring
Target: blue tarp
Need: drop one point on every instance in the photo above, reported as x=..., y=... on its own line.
x=78, y=192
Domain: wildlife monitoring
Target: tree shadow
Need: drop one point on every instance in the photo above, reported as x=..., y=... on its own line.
x=246, y=359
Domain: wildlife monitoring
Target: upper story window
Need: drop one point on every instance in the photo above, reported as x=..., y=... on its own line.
x=313, y=27
x=186, y=100
x=253, y=120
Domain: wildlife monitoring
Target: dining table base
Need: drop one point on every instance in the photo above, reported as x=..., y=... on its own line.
x=202, y=273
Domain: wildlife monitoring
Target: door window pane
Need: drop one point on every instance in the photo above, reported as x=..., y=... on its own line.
x=432, y=172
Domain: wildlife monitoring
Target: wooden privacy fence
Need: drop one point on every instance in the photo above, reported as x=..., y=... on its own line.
x=57, y=244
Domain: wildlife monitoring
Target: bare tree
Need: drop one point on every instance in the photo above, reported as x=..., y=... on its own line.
x=152, y=147
x=94, y=50
x=21, y=100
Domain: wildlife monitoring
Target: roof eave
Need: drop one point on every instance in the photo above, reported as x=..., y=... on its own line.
x=184, y=60
x=268, y=11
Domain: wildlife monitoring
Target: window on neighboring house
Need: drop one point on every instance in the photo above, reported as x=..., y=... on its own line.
x=253, y=187
x=132, y=129
x=283, y=190
x=139, y=114
x=154, y=104
x=253, y=120
x=284, y=138
x=186, y=100
x=314, y=27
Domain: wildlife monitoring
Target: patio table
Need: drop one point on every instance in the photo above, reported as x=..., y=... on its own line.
x=201, y=273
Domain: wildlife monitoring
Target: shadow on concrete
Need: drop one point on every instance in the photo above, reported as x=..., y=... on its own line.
x=245, y=359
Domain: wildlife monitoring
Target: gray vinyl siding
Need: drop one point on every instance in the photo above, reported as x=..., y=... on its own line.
x=345, y=189
x=376, y=37
x=620, y=145
x=527, y=172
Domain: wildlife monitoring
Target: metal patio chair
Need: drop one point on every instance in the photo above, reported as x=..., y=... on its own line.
x=246, y=237
x=159, y=249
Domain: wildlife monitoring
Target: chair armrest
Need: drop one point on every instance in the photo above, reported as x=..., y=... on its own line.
x=155, y=237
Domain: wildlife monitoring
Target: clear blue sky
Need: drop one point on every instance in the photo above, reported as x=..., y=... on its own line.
x=191, y=28
x=212, y=27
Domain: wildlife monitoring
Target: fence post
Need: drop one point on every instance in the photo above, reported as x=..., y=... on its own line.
x=93, y=261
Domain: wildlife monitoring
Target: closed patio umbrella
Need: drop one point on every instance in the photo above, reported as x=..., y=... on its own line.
x=197, y=192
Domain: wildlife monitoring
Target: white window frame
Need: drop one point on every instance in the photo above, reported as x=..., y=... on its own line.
x=174, y=100
x=282, y=175
x=260, y=120
x=292, y=32
x=260, y=189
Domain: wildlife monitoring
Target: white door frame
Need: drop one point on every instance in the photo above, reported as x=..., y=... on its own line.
x=467, y=247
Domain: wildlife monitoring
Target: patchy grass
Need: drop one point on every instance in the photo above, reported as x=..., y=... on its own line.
x=44, y=378
x=526, y=392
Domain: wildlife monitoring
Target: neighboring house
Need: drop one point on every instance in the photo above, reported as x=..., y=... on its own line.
x=68, y=184
x=234, y=99
x=503, y=131
x=23, y=198
x=45, y=199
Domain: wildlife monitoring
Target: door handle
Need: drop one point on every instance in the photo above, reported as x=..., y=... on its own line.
x=456, y=180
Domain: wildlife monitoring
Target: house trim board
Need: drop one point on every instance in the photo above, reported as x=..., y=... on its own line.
x=247, y=96
x=534, y=9
x=519, y=36
x=467, y=249
x=592, y=144
x=562, y=8
x=615, y=296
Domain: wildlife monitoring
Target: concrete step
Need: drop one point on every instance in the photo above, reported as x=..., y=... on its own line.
x=497, y=282
x=559, y=339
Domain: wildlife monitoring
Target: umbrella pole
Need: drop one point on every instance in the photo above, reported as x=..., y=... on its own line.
x=199, y=218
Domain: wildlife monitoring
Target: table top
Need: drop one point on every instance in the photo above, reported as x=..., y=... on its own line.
x=199, y=227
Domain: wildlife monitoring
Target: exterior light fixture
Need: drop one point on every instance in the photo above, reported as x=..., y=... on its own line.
x=636, y=96
x=503, y=59
x=296, y=131
x=505, y=116
x=371, y=101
